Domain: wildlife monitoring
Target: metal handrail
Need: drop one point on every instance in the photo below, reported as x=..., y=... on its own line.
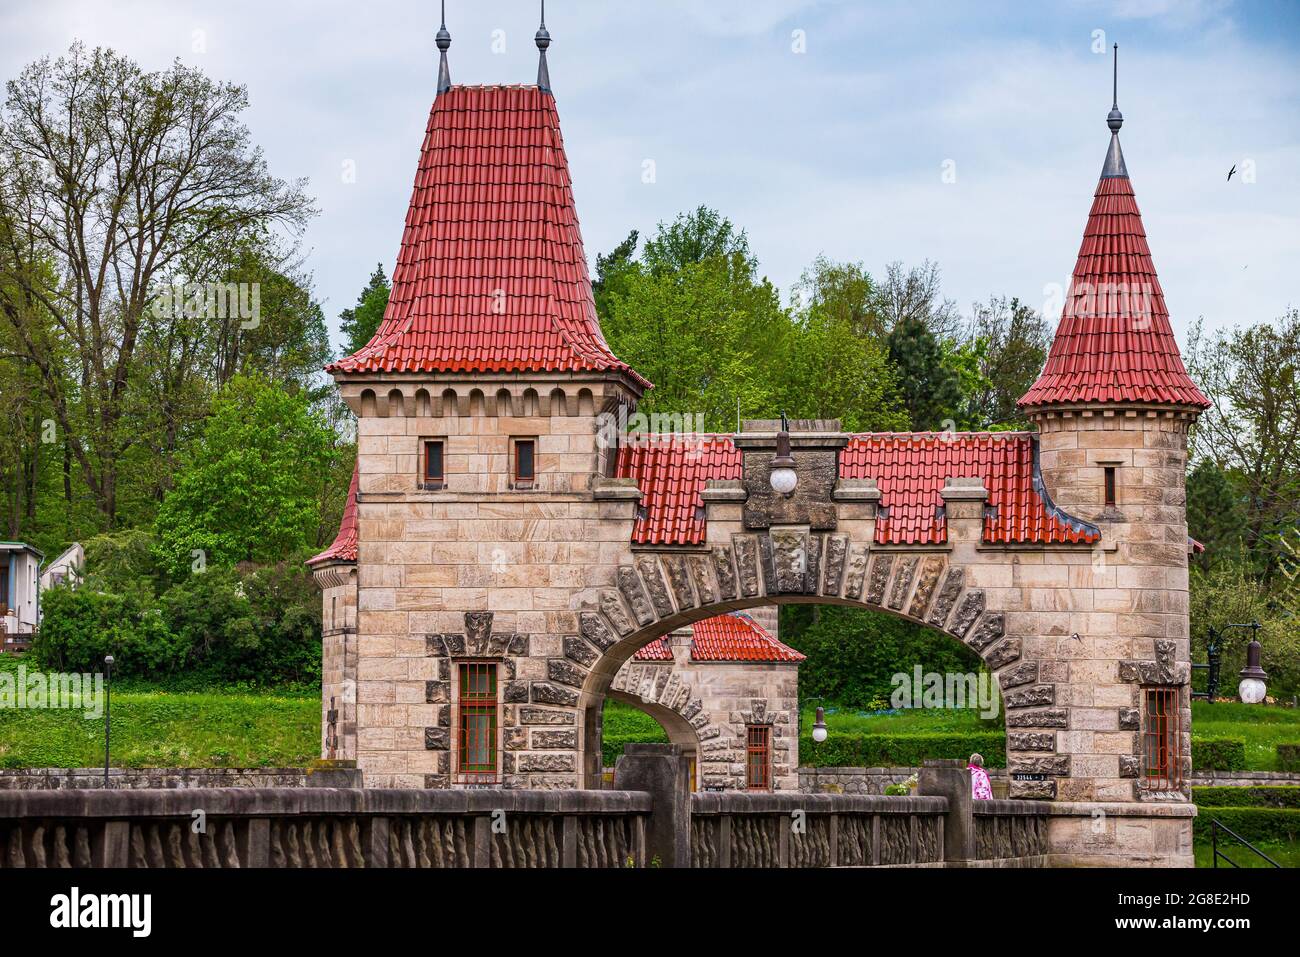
x=1215, y=826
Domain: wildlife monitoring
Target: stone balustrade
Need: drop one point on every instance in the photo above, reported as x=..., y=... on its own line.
x=322, y=827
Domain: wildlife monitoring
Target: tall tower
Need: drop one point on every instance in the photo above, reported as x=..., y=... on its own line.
x=1112, y=409
x=479, y=405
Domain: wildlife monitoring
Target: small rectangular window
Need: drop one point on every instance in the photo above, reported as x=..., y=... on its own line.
x=1162, y=768
x=433, y=467
x=1110, y=485
x=477, y=722
x=525, y=465
x=758, y=757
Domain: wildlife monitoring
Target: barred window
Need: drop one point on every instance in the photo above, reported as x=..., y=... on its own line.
x=477, y=722
x=758, y=757
x=1162, y=768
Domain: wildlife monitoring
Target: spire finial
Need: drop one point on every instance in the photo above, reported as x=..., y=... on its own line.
x=1114, y=165
x=543, y=39
x=1115, y=119
x=444, y=41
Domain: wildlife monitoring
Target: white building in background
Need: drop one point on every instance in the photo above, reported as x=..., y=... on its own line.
x=20, y=599
x=67, y=569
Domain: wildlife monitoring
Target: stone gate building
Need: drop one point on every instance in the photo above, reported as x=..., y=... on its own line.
x=513, y=552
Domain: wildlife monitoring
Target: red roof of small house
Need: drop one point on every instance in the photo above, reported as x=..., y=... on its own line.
x=731, y=637
x=671, y=471
x=909, y=468
x=1114, y=342
x=491, y=275
x=344, y=548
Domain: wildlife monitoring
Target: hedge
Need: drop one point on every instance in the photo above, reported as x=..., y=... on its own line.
x=1259, y=825
x=850, y=750
x=1218, y=754
x=1288, y=757
x=1263, y=796
x=611, y=745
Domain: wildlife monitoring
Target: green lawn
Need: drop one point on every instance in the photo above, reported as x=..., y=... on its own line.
x=1288, y=855
x=153, y=728
x=1263, y=728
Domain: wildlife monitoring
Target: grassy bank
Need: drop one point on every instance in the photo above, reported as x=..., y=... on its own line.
x=157, y=728
x=1262, y=728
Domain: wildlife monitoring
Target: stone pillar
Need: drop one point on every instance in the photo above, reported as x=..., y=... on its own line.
x=662, y=770
x=949, y=778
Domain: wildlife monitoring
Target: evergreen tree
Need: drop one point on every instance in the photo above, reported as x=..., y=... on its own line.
x=929, y=386
x=359, y=323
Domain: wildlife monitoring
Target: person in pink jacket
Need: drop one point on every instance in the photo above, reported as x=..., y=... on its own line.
x=981, y=789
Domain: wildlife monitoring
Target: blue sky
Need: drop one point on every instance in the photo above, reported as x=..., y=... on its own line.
x=839, y=149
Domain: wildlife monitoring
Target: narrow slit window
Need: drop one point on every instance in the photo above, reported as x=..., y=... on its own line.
x=433, y=464
x=758, y=757
x=1162, y=769
x=1110, y=484
x=477, y=722
x=525, y=467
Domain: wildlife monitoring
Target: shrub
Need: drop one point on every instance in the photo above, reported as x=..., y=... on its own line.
x=81, y=626
x=900, y=750
x=1288, y=757
x=1218, y=754
x=1259, y=825
x=1266, y=796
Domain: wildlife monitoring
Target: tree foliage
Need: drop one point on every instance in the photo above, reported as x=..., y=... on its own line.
x=249, y=488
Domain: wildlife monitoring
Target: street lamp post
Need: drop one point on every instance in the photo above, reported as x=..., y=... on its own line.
x=108, y=709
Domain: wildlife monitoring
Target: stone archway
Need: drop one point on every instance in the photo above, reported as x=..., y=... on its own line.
x=659, y=592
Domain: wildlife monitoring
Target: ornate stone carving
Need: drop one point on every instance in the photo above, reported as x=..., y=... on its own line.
x=931, y=569
x=953, y=583
x=970, y=608
x=881, y=566
x=630, y=586
x=655, y=585
x=746, y=550
x=991, y=627
x=837, y=548
x=1003, y=653
x=1047, y=718
x=903, y=582
x=726, y=572
x=789, y=559
x=680, y=579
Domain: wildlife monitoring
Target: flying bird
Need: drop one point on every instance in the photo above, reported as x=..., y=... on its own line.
x=1231, y=171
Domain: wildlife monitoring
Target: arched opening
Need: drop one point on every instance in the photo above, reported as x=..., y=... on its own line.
x=761, y=699
x=676, y=728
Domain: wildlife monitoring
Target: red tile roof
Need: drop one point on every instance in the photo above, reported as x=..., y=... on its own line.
x=671, y=472
x=909, y=468
x=657, y=650
x=732, y=637
x=1114, y=342
x=491, y=275
x=344, y=548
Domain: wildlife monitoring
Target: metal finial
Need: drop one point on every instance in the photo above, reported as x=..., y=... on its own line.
x=543, y=39
x=1114, y=165
x=444, y=41
x=1115, y=119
